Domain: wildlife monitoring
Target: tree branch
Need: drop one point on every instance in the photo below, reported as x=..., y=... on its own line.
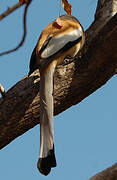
x=10, y=10
x=108, y=174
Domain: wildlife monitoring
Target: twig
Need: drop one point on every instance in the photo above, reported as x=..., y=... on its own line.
x=10, y=10
x=24, y=27
x=2, y=90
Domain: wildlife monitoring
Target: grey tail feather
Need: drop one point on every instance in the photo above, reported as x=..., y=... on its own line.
x=47, y=158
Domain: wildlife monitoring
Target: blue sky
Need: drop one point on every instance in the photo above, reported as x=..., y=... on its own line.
x=85, y=133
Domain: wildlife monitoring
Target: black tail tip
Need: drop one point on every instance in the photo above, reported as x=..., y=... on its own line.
x=52, y=158
x=45, y=164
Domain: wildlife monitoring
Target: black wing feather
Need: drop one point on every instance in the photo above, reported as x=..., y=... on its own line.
x=33, y=65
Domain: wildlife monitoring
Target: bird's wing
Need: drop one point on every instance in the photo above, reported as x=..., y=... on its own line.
x=33, y=66
x=61, y=42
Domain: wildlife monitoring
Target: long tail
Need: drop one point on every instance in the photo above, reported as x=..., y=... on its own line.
x=47, y=158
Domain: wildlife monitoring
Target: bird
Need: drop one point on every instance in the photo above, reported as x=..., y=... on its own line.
x=63, y=37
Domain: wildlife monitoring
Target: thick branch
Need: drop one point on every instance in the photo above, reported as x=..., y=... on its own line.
x=108, y=174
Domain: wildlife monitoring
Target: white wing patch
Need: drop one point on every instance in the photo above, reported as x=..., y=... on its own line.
x=58, y=42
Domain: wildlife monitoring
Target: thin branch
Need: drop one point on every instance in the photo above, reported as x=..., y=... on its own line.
x=10, y=10
x=24, y=28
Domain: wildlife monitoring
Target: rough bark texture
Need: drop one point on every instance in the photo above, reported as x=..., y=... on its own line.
x=74, y=80
x=108, y=174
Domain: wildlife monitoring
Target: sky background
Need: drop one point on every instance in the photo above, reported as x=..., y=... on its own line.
x=85, y=134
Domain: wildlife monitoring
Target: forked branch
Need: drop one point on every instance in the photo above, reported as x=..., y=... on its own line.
x=9, y=11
